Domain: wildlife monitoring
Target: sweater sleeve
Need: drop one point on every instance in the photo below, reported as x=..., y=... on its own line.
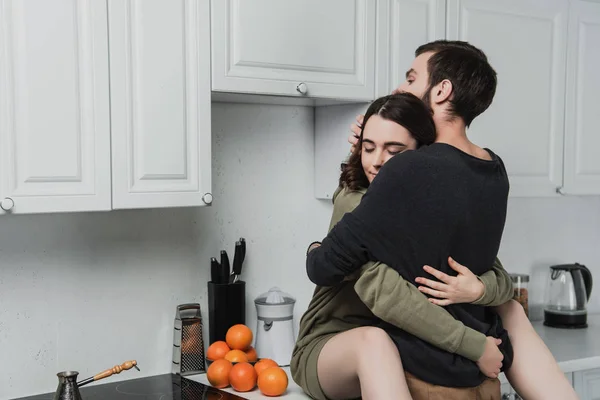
x=498, y=286
x=382, y=290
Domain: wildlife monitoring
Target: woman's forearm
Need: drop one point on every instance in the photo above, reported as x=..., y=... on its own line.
x=396, y=301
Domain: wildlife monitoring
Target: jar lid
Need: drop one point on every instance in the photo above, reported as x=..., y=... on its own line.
x=275, y=297
x=516, y=278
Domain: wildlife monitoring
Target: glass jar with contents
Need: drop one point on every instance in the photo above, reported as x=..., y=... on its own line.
x=520, y=288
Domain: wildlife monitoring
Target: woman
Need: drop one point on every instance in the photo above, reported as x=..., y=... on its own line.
x=340, y=354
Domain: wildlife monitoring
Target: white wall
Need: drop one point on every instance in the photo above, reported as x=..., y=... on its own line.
x=87, y=291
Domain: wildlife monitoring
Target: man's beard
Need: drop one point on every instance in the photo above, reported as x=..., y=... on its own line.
x=426, y=98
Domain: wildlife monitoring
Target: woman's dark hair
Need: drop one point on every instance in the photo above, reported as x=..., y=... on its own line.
x=404, y=109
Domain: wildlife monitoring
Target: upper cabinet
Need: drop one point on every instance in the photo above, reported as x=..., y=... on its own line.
x=85, y=126
x=54, y=106
x=526, y=42
x=582, y=128
x=403, y=26
x=302, y=48
x=160, y=102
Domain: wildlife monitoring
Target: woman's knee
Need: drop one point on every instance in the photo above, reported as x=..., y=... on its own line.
x=512, y=311
x=377, y=339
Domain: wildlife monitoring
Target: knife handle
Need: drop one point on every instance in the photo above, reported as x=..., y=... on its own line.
x=215, y=270
x=237, y=259
x=225, y=268
x=243, y=253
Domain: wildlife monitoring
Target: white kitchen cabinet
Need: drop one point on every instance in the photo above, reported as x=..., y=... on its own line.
x=402, y=26
x=526, y=42
x=407, y=25
x=160, y=103
x=54, y=106
x=302, y=48
x=582, y=127
x=587, y=384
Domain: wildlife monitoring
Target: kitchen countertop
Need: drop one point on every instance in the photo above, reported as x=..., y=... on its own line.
x=573, y=349
x=293, y=391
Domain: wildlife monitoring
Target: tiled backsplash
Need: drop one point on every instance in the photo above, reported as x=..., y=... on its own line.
x=87, y=291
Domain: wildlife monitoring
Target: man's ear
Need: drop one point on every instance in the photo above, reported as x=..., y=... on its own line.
x=442, y=92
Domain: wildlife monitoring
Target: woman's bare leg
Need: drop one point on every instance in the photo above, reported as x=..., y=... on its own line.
x=534, y=373
x=362, y=362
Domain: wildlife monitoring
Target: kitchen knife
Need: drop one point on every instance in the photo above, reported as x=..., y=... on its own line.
x=237, y=272
x=215, y=270
x=225, y=268
x=237, y=262
x=243, y=242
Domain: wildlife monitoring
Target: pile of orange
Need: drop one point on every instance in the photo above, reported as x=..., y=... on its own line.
x=231, y=365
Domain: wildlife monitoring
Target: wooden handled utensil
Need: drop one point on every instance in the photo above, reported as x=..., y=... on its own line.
x=114, y=370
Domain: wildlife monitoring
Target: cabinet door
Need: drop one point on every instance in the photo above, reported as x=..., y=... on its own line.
x=54, y=106
x=582, y=134
x=409, y=24
x=271, y=46
x=160, y=102
x=587, y=384
x=525, y=41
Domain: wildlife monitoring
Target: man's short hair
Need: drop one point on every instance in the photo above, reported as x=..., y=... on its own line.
x=467, y=67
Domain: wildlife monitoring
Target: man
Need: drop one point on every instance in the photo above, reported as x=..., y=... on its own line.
x=446, y=199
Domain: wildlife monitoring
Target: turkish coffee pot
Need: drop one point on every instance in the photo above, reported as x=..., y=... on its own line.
x=68, y=387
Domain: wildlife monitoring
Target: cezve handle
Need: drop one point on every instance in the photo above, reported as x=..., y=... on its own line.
x=114, y=370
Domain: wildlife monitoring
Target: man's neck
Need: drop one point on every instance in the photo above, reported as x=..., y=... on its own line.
x=454, y=133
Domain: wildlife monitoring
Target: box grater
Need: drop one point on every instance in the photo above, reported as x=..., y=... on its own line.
x=188, y=345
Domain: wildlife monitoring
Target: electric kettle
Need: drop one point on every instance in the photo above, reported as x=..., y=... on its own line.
x=567, y=293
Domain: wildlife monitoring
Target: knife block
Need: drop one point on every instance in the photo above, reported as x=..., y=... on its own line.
x=226, y=307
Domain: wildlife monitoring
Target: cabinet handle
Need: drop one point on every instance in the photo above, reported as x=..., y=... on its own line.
x=207, y=198
x=560, y=190
x=7, y=204
x=302, y=88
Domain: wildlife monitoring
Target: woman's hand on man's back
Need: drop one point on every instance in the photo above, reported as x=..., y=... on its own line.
x=465, y=287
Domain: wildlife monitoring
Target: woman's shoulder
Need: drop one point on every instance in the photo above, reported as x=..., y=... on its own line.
x=347, y=198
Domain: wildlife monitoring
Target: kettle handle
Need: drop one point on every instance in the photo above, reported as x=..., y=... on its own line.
x=587, y=280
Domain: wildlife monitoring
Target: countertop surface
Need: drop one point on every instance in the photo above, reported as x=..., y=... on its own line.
x=573, y=349
x=293, y=391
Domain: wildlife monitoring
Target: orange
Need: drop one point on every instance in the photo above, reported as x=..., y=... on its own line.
x=251, y=354
x=239, y=337
x=273, y=381
x=218, y=373
x=263, y=364
x=217, y=350
x=242, y=377
x=236, y=356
